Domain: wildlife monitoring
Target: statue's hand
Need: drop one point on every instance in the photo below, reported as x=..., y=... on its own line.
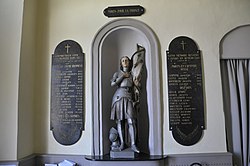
x=126, y=75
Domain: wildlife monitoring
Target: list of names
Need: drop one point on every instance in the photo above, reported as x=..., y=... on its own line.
x=67, y=89
x=185, y=89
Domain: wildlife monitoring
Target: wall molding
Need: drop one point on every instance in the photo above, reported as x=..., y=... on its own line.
x=204, y=159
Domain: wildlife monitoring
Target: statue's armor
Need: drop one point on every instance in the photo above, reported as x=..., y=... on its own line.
x=122, y=102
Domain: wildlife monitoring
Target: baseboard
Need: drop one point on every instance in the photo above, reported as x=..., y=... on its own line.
x=210, y=159
x=28, y=161
x=42, y=159
x=201, y=159
x=9, y=163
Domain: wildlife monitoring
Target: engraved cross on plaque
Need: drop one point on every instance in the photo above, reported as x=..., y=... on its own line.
x=67, y=48
x=183, y=44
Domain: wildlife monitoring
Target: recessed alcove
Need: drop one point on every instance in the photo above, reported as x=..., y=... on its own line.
x=112, y=41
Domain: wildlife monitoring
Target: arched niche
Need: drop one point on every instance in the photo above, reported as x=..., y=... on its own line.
x=115, y=39
x=236, y=43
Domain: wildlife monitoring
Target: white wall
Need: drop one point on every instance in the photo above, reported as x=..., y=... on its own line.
x=10, y=36
x=58, y=21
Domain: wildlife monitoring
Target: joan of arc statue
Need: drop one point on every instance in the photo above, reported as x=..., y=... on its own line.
x=125, y=102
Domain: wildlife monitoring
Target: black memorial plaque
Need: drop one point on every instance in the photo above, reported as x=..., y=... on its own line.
x=67, y=80
x=185, y=91
x=123, y=11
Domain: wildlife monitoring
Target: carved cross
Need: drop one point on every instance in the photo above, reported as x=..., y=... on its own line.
x=67, y=48
x=183, y=44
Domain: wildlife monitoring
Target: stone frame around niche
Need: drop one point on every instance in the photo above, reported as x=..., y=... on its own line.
x=113, y=40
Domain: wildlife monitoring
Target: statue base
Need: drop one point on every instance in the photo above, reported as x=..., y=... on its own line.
x=126, y=153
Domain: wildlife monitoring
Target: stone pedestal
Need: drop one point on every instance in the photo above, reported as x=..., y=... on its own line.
x=126, y=153
x=139, y=159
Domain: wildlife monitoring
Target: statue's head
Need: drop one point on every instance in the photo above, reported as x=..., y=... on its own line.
x=125, y=62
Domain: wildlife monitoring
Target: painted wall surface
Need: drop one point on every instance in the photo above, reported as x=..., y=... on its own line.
x=26, y=95
x=204, y=21
x=10, y=36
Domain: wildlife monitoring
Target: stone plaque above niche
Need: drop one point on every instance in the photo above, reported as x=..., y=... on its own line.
x=185, y=91
x=67, y=92
x=124, y=11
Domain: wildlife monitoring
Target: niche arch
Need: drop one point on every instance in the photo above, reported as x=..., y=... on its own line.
x=115, y=39
x=235, y=43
